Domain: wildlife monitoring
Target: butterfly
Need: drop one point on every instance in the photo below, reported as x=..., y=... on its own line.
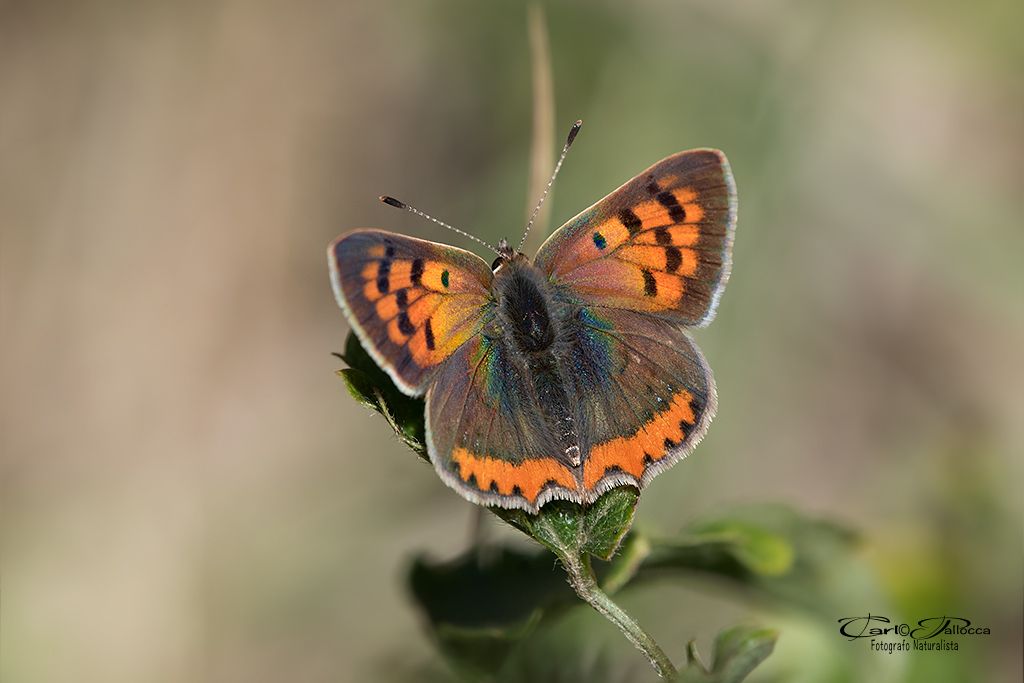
x=567, y=376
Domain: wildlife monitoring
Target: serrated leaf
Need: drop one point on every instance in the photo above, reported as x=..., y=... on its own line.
x=607, y=520
x=570, y=529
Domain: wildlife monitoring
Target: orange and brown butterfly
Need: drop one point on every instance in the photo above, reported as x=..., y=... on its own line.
x=568, y=376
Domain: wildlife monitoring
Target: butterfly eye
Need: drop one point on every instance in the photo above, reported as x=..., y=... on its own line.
x=497, y=263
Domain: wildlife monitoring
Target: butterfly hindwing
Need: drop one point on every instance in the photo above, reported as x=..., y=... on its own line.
x=487, y=436
x=660, y=244
x=648, y=396
x=411, y=302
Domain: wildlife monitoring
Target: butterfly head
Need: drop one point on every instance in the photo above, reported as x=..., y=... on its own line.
x=506, y=255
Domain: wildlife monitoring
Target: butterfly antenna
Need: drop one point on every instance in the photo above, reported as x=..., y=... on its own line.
x=565, y=149
x=391, y=201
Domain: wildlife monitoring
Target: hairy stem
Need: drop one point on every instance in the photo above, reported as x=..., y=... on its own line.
x=583, y=580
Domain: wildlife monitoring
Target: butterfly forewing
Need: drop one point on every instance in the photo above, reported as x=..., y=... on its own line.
x=660, y=244
x=411, y=302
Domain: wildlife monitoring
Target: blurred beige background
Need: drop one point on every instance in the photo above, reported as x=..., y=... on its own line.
x=190, y=495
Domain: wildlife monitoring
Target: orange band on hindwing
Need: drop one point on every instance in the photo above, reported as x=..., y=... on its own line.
x=529, y=477
x=633, y=454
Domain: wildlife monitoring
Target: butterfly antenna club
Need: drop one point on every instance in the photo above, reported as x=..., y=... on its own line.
x=391, y=201
x=565, y=150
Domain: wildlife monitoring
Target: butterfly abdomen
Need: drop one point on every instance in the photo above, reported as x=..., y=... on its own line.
x=525, y=304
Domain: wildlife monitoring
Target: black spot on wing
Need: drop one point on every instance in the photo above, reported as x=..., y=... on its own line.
x=697, y=406
x=428, y=332
x=612, y=469
x=383, y=271
x=416, y=274
x=650, y=284
x=631, y=221
x=673, y=259
x=405, y=326
x=676, y=212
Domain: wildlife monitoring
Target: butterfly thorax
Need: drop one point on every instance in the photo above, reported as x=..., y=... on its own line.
x=533, y=320
x=521, y=290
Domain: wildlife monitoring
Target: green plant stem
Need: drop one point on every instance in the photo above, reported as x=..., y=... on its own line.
x=583, y=580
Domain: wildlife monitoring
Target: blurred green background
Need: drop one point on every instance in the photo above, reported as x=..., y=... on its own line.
x=189, y=494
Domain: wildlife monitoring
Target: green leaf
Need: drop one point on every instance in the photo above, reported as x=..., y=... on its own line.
x=483, y=603
x=607, y=520
x=488, y=588
x=570, y=529
x=757, y=548
x=738, y=650
x=480, y=653
x=774, y=551
x=694, y=554
x=370, y=386
x=360, y=387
